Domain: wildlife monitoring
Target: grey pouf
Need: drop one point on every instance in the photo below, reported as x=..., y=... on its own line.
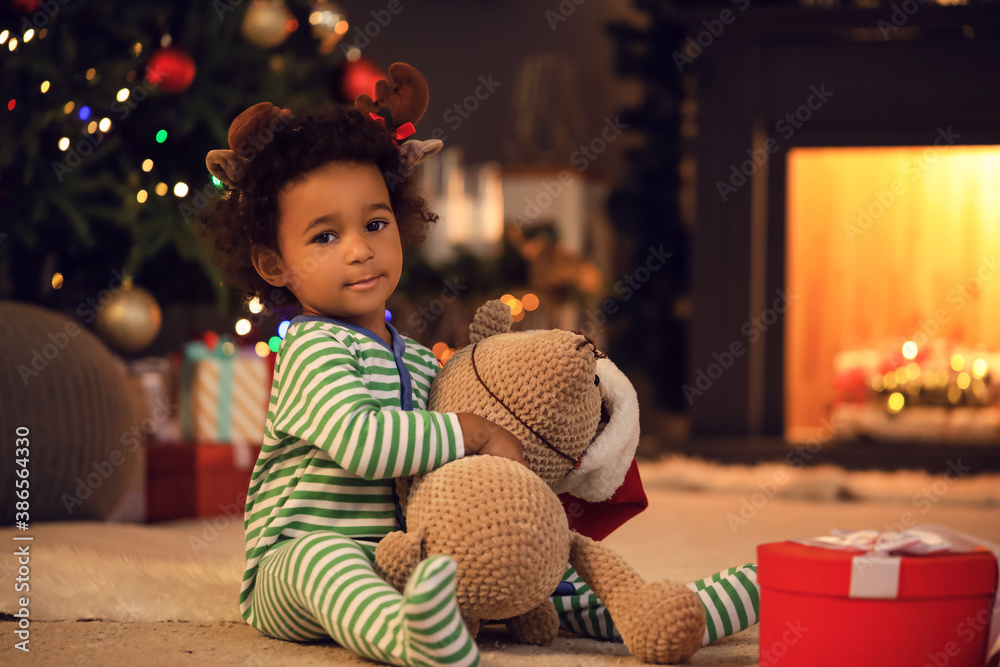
x=62, y=384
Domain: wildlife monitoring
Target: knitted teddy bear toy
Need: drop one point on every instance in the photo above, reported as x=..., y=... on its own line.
x=503, y=523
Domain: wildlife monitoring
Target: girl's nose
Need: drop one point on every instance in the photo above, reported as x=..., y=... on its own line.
x=358, y=248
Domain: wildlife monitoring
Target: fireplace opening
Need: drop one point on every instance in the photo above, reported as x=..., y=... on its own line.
x=893, y=271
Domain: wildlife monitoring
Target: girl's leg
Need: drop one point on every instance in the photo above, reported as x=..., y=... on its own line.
x=730, y=599
x=322, y=584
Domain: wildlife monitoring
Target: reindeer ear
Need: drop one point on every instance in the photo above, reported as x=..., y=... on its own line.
x=413, y=152
x=493, y=317
x=225, y=165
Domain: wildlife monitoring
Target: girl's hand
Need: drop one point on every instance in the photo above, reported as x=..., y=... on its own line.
x=485, y=437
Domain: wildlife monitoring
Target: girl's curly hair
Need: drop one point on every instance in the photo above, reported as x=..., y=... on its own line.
x=249, y=215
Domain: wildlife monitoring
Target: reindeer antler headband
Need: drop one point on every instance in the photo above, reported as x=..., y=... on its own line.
x=399, y=103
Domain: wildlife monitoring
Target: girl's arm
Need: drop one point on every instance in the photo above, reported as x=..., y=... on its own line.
x=323, y=400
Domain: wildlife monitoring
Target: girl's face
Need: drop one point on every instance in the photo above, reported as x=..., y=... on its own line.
x=339, y=243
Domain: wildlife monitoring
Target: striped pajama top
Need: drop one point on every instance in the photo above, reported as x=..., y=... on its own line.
x=347, y=414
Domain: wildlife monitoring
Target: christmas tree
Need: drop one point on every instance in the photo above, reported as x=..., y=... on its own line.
x=110, y=108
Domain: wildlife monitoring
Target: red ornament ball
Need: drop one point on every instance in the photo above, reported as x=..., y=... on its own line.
x=172, y=69
x=360, y=78
x=26, y=6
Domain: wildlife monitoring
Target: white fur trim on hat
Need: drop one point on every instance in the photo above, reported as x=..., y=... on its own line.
x=606, y=461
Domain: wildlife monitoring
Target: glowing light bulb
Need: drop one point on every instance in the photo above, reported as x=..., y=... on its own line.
x=963, y=380
x=254, y=305
x=909, y=349
x=896, y=402
x=243, y=327
x=262, y=349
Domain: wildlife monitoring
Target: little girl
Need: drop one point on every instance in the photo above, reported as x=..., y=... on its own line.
x=320, y=214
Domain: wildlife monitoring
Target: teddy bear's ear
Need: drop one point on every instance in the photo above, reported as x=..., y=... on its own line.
x=493, y=317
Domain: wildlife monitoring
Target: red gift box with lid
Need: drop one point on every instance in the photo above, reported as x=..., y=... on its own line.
x=192, y=479
x=816, y=607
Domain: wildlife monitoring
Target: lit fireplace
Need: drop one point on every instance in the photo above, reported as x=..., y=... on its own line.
x=893, y=255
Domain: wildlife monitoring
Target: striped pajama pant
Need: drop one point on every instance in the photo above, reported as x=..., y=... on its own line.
x=323, y=585
x=730, y=599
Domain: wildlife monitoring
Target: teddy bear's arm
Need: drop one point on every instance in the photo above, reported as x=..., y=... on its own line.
x=538, y=626
x=661, y=622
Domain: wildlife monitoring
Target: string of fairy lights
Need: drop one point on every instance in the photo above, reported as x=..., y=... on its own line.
x=96, y=127
x=961, y=377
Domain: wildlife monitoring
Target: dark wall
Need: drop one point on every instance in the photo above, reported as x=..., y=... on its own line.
x=454, y=43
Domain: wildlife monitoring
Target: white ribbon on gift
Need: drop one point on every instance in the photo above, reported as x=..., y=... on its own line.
x=875, y=572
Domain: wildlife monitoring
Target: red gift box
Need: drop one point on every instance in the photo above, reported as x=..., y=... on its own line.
x=185, y=480
x=930, y=610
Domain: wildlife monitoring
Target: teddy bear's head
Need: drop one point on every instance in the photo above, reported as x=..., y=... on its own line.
x=546, y=388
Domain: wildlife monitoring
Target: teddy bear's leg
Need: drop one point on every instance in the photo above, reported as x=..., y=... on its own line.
x=396, y=556
x=538, y=626
x=472, y=625
x=661, y=622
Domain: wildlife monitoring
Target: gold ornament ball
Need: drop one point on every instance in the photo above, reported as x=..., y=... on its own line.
x=265, y=23
x=131, y=320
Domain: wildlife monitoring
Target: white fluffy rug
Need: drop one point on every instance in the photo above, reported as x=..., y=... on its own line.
x=125, y=572
x=191, y=570
x=826, y=482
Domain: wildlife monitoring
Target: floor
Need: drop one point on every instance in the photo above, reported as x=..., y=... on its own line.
x=683, y=535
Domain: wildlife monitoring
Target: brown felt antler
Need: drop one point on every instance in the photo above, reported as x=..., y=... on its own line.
x=405, y=95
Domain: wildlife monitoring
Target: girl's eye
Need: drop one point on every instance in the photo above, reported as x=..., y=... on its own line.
x=376, y=225
x=319, y=237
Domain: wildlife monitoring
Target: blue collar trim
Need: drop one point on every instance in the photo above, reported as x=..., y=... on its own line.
x=398, y=348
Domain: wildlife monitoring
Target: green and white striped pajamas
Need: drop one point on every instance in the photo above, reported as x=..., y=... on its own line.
x=731, y=601
x=347, y=415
